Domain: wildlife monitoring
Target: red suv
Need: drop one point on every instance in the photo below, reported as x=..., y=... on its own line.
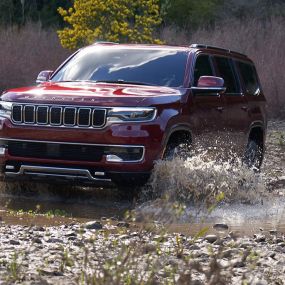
x=111, y=110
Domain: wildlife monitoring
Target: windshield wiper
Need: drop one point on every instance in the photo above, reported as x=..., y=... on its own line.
x=121, y=81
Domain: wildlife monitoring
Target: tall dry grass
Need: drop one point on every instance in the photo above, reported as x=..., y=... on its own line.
x=262, y=41
x=24, y=52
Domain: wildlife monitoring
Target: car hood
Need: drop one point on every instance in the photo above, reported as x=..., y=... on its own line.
x=97, y=94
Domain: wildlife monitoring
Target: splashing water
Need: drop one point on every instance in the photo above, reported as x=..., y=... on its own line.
x=203, y=179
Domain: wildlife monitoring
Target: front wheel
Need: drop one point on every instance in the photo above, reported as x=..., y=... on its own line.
x=253, y=155
x=180, y=150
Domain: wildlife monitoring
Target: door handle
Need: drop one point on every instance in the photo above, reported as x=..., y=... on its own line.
x=220, y=109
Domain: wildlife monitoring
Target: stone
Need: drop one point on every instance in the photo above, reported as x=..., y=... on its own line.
x=123, y=225
x=55, y=240
x=93, y=225
x=14, y=242
x=221, y=226
x=273, y=232
x=211, y=238
x=259, y=238
x=37, y=240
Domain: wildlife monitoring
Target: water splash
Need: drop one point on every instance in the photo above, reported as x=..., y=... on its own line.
x=203, y=179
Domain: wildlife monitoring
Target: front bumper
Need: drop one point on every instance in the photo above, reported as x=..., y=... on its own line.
x=55, y=174
x=56, y=162
x=111, y=154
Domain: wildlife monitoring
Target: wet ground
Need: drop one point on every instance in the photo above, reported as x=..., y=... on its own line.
x=41, y=206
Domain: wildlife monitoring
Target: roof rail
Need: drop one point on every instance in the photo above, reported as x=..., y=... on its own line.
x=105, y=42
x=216, y=48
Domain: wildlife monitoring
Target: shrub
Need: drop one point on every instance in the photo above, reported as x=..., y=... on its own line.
x=112, y=20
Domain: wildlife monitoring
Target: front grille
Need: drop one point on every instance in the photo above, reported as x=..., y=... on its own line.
x=69, y=152
x=65, y=116
x=72, y=152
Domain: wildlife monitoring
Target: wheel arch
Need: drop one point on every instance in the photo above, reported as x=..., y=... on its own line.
x=177, y=134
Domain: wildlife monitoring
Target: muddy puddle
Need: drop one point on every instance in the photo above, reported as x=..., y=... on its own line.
x=243, y=200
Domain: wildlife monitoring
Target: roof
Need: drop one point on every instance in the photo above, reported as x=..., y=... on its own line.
x=174, y=47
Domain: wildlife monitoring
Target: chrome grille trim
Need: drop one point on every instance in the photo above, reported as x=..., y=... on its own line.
x=75, y=115
x=49, y=107
x=24, y=114
x=78, y=117
x=17, y=105
x=60, y=119
x=105, y=118
x=37, y=112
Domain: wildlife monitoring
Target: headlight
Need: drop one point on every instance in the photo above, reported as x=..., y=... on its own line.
x=131, y=114
x=5, y=109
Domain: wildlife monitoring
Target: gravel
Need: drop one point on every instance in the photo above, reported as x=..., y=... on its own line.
x=49, y=256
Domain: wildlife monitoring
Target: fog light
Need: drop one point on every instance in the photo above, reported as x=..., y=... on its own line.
x=99, y=173
x=2, y=150
x=113, y=158
x=10, y=167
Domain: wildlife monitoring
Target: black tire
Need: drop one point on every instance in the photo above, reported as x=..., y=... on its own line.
x=253, y=156
x=180, y=150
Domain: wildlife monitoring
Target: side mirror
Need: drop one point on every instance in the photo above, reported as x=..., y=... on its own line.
x=44, y=76
x=209, y=85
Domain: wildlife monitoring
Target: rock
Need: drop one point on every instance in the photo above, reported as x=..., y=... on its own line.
x=55, y=240
x=259, y=238
x=123, y=225
x=50, y=272
x=211, y=238
x=273, y=232
x=93, y=225
x=70, y=234
x=148, y=248
x=238, y=264
x=37, y=240
x=271, y=254
x=219, y=227
x=14, y=242
x=260, y=282
x=194, y=247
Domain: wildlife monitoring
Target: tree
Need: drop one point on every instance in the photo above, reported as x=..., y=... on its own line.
x=189, y=14
x=109, y=20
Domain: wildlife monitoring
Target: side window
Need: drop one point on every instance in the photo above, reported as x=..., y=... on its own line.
x=202, y=68
x=249, y=77
x=226, y=71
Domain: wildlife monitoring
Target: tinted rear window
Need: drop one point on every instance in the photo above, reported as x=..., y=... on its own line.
x=249, y=77
x=163, y=67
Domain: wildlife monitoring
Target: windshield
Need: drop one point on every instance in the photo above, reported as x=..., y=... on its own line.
x=160, y=67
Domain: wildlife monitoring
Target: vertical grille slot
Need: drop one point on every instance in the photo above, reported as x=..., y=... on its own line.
x=98, y=118
x=42, y=115
x=84, y=115
x=29, y=114
x=69, y=116
x=55, y=116
x=17, y=115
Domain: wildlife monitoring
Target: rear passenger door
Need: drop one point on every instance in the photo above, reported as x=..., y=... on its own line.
x=235, y=114
x=208, y=108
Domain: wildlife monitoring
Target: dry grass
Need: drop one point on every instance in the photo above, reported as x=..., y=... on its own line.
x=263, y=42
x=24, y=52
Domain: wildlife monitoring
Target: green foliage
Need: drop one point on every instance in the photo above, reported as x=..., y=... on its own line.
x=189, y=13
x=21, y=11
x=111, y=20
